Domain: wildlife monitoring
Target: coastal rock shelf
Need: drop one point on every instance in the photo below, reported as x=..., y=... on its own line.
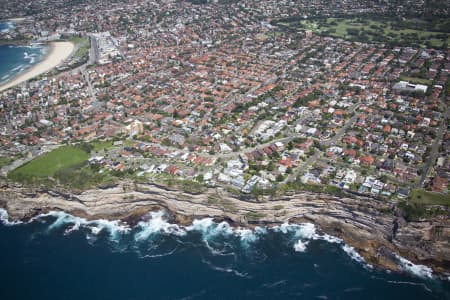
x=371, y=226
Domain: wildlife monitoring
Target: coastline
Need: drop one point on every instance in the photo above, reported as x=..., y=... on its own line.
x=58, y=52
x=374, y=229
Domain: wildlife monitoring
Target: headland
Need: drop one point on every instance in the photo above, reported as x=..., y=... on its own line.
x=375, y=228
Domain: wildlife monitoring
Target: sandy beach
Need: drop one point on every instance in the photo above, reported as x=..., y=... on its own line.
x=58, y=52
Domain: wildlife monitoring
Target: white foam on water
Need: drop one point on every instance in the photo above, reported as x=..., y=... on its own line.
x=329, y=238
x=300, y=246
x=303, y=233
x=18, y=68
x=62, y=219
x=305, y=230
x=209, y=229
x=354, y=255
x=418, y=270
x=226, y=270
x=246, y=235
x=157, y=224
x=160, y=255
x=115, y=228
x=4, y=218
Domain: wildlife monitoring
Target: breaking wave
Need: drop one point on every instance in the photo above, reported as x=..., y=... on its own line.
x=4, y=218
x=149, y=238
x=417, y=270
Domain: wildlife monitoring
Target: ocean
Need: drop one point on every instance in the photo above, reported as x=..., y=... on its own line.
x=6, y=26
x=58, y=256
x=16, y=59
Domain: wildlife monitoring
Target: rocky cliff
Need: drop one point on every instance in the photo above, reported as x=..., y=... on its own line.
x=373, y=227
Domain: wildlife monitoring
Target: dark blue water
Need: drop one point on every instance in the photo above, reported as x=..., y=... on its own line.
x=60, y=257
x=16, y=59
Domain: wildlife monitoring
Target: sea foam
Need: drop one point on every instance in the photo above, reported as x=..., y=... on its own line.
x=215, y=236
x=4, y=218
x=114, y=228
x=157, y=224
x=418, y=270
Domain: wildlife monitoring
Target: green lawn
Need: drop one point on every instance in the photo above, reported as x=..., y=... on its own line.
x=50, y=163
x=100, y=145
x=83, y=45
x=416, y=80
x=370, y=30
x=429, y=198
x=5, y=161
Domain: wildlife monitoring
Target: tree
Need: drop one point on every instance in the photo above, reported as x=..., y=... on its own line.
x=199, y=178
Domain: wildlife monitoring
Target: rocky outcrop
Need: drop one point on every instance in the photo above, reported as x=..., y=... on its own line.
x=371, y=226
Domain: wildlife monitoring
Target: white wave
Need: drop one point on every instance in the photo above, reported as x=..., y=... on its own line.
x=209, y=229
x=74, y=228
x=160, y=255
x=330, y=239
x=226, y=270
x=354, y=255
x=4, y=218
x=201, y=225
x=32, y=60
x=418, y=270
x=305, y=230
x=248, y=236
x=300, y=246
x=62, y=219
x=157, y=224
x=18, y=68
x=274, y=284
x=115, y=228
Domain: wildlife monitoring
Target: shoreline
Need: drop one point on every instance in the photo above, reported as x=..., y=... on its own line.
x=379, y=237
x=58, y=52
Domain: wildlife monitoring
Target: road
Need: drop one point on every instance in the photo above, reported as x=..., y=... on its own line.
x=344, y=128
x=435, y=148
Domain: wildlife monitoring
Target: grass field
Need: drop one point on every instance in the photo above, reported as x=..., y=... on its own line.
x=83, y=46
x=429, y=198
x=48, y=164
x=370, y=30
x=100, y=145
x=5, y=161
x=416, y=80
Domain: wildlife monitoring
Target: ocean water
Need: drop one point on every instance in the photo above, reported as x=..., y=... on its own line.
x=58, y=256
x=6, y=26
x=16, y=59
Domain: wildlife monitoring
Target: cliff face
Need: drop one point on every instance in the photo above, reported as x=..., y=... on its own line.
x=371, y=226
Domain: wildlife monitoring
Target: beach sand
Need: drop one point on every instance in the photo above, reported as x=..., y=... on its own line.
x=58, y=52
